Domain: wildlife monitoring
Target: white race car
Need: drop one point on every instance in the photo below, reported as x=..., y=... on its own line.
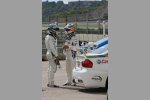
x=92, y=68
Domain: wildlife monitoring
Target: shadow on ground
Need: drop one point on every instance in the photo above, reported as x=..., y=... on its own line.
x=84, y=90
x=71, y=87
x=94, y=91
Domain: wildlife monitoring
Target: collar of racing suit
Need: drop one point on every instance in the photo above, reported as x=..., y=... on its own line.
x=53, y=34
x=70, y=35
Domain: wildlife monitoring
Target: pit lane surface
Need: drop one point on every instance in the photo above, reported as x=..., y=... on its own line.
x=67, y=92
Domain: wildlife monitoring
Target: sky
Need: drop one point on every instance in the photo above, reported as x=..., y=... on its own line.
x=66, y=1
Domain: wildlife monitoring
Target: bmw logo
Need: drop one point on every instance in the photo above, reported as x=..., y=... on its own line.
x=98, y=61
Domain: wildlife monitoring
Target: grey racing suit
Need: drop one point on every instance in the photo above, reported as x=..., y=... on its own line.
x=50, y=43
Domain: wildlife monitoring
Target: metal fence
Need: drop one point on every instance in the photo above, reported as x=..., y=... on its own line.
x=85, y=23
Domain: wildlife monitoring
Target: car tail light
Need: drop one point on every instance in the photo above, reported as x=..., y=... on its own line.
x=87, y=63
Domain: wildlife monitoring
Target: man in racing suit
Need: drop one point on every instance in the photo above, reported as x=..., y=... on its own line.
x=50, y=42
x=70, y=49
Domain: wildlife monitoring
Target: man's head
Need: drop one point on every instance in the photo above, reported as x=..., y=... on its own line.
x=53, y=28
x=69, y=28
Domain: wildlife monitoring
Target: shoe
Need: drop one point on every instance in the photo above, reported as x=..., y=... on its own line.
x=67, y=84
x=73, y=84
x=73, y=81
x=53, y=86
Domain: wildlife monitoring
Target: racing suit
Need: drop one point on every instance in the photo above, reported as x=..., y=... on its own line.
x=50, y=42
x=71, y=53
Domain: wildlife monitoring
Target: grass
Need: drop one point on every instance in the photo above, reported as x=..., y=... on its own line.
x=81, y=25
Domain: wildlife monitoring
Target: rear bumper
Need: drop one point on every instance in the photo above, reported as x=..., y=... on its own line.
x=89, y=78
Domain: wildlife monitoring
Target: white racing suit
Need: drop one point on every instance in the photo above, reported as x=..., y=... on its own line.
x=71, y=54
x=50, y=43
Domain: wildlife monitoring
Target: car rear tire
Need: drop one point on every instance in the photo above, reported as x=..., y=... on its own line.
x=106, y=85
x=107, y=95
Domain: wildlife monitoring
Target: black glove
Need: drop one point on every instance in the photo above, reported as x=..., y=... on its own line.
x=57, y=61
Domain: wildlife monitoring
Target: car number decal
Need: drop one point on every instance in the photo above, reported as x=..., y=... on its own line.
x=102, y=61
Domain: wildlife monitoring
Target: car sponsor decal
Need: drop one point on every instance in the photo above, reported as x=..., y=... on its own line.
x=102, y=61
x=102, y=44
x=94, y=56
x=98, y=56
x=97, y=78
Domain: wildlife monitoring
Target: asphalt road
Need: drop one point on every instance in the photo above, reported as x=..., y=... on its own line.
x=68, y=92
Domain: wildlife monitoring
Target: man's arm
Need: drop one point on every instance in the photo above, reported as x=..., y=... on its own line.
x=52, y=47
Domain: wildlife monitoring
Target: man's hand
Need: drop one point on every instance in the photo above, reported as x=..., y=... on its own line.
x=57, y=57
x=65, y=47
x=57, y=62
